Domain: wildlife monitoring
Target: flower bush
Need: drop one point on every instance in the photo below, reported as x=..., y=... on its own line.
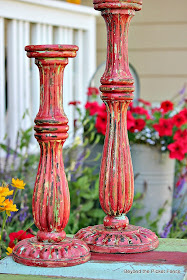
x=8, y=208
x=164, y=126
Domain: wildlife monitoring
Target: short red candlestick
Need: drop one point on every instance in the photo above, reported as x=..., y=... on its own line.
x=51, y=202
x=116, y=174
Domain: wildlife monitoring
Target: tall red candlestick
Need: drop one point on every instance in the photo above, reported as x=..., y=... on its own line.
x=116, y=174
x=51, y=202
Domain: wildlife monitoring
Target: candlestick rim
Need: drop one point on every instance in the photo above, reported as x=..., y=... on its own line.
x=68, y=252
x=135, y=5
x=119, y=1
x=95, y=2
x=57, y=47
x=51, y=51
x=132, y=239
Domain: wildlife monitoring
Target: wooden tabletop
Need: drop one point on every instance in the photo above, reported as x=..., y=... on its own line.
x=168, y=261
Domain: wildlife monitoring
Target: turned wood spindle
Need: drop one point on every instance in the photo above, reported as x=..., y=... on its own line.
x=116, y=188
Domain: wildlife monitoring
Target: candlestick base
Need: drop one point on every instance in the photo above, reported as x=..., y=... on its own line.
x=132, y=239
x=68, y=252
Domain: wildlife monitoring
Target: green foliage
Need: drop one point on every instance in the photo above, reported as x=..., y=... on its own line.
x=179, y=226
x=153, y=224
x=84, y=193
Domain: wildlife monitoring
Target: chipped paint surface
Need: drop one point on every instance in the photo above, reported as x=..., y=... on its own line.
x=51, y=201
x=116, y=186
x=123, y=269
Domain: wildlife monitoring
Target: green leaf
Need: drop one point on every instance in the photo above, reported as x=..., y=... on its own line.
x=87, y=206
x=161, y=211
x=137, y=195
x=96, y=213
x=147, y=216
x=8, y=149
x=88, y=152
x=157, y=115
x=97, y=157
x=98, y=138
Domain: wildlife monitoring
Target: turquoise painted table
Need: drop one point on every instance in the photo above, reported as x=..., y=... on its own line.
x=169, y=261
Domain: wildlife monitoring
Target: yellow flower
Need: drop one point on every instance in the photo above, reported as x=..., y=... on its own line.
x=2, y=201
x=17, y=183
x=8, y=207
x=4, y=191
x=9, y=251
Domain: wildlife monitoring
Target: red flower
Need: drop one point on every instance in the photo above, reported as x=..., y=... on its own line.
x=139, y=125
x=92, y=107
x=184, y=113
x=102, y=111
x=130, y=120
x=92, y=91
x=164, y=128
x=74, y=103
x=181, y=135
x=167, y=106
x=130, y=105
x=101, y=120
x=176, y=150
x=140, y=111
x=17, y=236
x=101, y=124
x=146, y=103
x=156, y=110
x=179, y=119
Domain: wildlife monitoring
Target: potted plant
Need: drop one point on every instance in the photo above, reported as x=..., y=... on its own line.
x=158, y=137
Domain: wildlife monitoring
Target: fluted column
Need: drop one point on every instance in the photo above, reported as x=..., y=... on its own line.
x=51, y=201
x=116, y=189
x=116, y=175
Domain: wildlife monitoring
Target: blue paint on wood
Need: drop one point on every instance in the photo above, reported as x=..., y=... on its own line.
x=100, y=270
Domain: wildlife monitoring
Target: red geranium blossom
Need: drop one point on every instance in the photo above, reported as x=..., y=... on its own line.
x=144, y=102
x=102, y=111
x=101, y=120
x=164, y=128
x=181, y=135
x=179, y=119
x=140, y=111
x=130, y=120
x=92, y=107
x=139, y=125
x=92, y=91
x=74, y=103
x=184, y=113
x=17, y=236
x=130, y=106
x=176, y=150
x=167, y=106
x=101, y=125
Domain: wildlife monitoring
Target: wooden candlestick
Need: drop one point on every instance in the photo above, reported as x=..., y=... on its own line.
x=116, y=174
x=51, y=202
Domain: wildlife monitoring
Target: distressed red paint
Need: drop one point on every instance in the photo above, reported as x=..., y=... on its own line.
x=178, y=258
x=116, y=175
x=51, y=201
